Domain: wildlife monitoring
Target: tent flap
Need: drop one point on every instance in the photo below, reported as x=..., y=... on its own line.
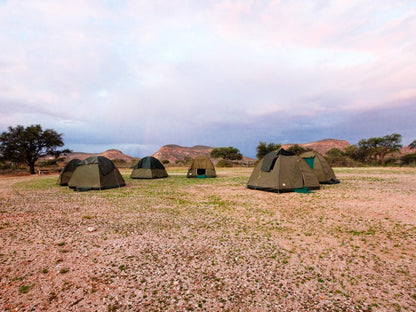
x=310, y=161
x=270, y=159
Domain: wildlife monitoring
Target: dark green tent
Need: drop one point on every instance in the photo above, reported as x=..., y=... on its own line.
x=96, y=173
x=149, y=168
x=282, y=171
x=66, y=172
x=320, y=167
x=201, y=167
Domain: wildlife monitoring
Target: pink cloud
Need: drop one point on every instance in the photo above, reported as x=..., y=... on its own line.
x=234, y=8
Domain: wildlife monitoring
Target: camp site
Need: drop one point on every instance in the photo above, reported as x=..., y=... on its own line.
x=204, y=244
x=208, y=156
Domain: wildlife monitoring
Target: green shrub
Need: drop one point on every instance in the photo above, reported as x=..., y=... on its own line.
x=224, y=163
x=409, y=159
x=24, y=289
x=47, y=162
x=121, y=163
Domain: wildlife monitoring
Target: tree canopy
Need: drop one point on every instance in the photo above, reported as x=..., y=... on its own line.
x=26, y=145
x=297, y=149
x=413, y=144
x=58, y=153
x=228, y=153
x=263, y=149
x=376, y=148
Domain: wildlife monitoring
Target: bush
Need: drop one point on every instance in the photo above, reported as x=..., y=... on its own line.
x=341, y=161
x=224, y=163
x=120, y=163
x=409, y=160
x=297, y=149
x=184, y=162
x=165, y=161
x=48, y=162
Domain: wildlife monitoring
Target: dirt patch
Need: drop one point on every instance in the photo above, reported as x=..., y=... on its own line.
x=209, y=245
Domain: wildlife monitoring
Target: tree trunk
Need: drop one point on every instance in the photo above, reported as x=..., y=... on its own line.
x=383, y=161
x=32, y=168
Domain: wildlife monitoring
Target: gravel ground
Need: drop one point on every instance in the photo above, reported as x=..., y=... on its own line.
x=180, y=244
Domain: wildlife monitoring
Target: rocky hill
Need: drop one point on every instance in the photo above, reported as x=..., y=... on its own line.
x=322, y=146
x=175, y=153
x=112, y=154
x=179, y=154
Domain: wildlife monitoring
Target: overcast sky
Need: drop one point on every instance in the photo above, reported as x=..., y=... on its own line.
x=136, y=75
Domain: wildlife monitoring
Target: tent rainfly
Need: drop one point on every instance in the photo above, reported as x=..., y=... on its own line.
x=96, y=173
x=281, y=171
x=66, y=172
x=149, y=168
x=320, y=167
x=201, y=167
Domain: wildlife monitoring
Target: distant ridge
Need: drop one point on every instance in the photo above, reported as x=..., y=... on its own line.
x=322, y=146
x=174, y=153
x=112, y=154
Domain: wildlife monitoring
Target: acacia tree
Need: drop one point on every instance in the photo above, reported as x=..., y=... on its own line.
x=227, y=153
x=57, y=153
x=27, y=145
x=263, y=149
x=389, y=144
x=378, y=148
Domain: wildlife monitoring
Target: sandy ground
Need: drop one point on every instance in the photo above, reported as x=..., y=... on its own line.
x=210, y=245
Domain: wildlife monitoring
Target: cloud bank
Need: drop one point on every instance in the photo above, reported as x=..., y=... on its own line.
x=135, y=75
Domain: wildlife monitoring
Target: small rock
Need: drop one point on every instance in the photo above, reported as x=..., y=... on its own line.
x=91, y=229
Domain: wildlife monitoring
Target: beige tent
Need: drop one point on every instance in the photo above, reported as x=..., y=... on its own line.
x=282, y=171
x=96, y=173
x=320, y=167
x=201, y=167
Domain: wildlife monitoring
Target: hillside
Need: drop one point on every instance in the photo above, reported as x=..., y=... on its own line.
x=322, y=146
x=112, y=154
x=175, y=153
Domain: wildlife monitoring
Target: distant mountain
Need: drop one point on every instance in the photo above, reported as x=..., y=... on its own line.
x=112, y=154
x=407, y=150
x=175, y=153
x=322, y=146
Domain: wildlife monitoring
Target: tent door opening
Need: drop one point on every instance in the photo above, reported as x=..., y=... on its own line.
x=200, y=171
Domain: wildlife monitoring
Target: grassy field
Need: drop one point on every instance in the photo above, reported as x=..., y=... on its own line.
x=179, y=244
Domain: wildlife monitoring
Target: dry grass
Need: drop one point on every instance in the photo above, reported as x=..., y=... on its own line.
x=180, y=244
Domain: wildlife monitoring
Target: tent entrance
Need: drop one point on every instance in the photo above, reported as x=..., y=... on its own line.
x=200, y=171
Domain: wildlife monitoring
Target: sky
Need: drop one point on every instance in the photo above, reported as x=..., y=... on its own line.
x=137, y=75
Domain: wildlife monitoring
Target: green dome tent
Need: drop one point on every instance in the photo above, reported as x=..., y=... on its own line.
x=201, y=167
x=320, y=167
x=96, y=173
x=281, y=171
x=66, y=172
x=149, y=168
